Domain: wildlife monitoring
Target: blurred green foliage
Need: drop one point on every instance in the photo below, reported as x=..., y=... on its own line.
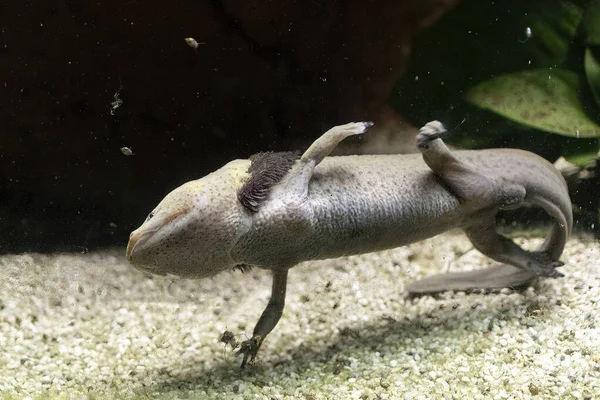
x=546, y=99
x=592, y=71
x=591, y=24
x=519, y=72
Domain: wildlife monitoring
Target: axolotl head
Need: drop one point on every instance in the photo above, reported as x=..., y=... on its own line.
x=192, y=230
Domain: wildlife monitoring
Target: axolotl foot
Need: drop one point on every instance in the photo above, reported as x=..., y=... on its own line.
x=542, y=266
x=249, y=348
x=429, y=132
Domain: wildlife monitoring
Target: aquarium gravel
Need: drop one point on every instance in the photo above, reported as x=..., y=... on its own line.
x=90, y=326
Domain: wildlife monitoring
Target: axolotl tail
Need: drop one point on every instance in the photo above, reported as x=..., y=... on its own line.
x=543, y=186
x=551, y=194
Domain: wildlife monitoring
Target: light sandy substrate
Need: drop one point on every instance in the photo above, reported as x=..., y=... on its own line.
x=89, y=326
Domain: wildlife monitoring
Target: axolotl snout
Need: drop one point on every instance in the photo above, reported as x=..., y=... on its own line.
x=278, y=209
x=193, y=229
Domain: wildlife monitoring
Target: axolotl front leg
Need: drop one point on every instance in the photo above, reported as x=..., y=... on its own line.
x=269, y=318
x=297, y=186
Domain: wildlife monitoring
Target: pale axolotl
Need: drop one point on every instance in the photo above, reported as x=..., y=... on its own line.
x=276, y=210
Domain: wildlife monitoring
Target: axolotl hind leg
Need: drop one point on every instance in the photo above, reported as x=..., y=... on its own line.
x=484, y=196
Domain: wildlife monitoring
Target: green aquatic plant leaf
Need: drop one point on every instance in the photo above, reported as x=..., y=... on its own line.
x=582, y=159
x=544, y=99
x=579, y=151
x=591, y=23
x=592, y=72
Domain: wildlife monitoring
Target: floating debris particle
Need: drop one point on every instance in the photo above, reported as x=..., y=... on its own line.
x=127, y=151
x=117, y=102
x=528, y=34
x=193, y=43
x=229, y=338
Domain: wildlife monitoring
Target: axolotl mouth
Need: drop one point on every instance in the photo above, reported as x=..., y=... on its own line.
x=143, y=241
x=137, y=239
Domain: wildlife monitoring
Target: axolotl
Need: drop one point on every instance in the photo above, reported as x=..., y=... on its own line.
x=278, y=209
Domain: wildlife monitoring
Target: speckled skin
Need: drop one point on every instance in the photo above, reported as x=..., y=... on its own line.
x=354, y=204
x=336, y=206
x=360, y=204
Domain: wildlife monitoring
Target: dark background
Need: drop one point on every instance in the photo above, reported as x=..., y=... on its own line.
x=270, y=75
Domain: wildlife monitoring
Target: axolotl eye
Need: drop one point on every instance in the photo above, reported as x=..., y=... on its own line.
x=150, y=216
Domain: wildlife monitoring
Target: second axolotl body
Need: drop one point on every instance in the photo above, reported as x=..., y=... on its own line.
x=277, y=209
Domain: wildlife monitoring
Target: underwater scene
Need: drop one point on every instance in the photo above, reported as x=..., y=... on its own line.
x=300, y=199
